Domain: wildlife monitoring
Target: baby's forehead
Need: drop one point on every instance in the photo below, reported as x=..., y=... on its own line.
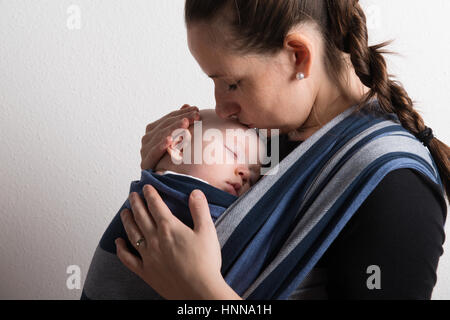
x=210, y=120
x=229, y=128
x=232, y=135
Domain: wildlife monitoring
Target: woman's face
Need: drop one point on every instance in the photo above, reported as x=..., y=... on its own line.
x=260, y=91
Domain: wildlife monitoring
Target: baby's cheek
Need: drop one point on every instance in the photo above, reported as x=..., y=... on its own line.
x=210, y=173
x=199, y=172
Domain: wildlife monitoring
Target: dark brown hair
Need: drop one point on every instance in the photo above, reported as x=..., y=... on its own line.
x=260, y=26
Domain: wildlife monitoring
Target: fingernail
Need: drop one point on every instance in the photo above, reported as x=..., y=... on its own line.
x=197, y=194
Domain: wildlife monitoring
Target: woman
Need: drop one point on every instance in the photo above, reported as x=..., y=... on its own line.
x=295, y=65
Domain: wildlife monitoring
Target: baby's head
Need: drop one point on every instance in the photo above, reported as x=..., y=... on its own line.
x=227, y=153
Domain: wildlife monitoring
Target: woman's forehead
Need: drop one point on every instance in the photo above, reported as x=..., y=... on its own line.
x=215, y=58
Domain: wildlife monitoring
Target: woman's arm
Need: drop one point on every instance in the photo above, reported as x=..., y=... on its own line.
x=176, y=261
x=400, y=229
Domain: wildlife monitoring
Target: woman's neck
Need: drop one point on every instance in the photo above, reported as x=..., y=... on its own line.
x=329, y=103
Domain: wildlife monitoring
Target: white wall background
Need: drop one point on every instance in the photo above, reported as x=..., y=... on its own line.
x=74, y=104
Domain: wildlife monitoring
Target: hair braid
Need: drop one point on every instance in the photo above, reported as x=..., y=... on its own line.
x=371, y=68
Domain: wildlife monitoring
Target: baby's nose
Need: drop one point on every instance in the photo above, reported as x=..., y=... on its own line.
x=244, y=172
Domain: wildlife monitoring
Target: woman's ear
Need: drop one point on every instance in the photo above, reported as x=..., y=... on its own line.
x=180, y=146
x=301, y=46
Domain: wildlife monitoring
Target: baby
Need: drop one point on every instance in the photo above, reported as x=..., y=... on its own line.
x=230, y=162
x=218, y=157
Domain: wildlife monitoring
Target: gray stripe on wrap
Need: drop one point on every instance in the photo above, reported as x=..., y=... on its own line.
x=333, y=190
x=109, y=279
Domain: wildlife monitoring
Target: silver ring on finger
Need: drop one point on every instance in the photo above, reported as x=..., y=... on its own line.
x=140, y=241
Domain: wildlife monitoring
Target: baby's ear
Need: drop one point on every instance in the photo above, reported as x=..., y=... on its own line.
x=180, y=145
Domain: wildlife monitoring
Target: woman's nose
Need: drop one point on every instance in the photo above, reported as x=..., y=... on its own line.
x=227, y=111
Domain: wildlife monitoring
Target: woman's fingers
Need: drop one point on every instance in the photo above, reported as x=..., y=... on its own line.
x=166, y=127
x=158, y=209
x=186, y=106
x=182, y=120
x=155, y=142
x=141, y=215
x=151, y=153
x=200, y=212
x=173, y=114
x=131, y=228
x=127, y=258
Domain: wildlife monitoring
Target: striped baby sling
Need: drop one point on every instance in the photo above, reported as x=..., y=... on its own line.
x=272, y=236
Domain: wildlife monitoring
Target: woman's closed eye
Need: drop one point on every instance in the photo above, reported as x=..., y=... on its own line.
x=234, y=87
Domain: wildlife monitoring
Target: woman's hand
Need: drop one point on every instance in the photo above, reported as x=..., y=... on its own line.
x=158, y=134
x=177, y=261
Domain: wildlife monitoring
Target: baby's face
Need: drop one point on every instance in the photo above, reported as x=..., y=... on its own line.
x=229, y=154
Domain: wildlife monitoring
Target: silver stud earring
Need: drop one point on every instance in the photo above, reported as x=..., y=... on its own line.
x=300, y=76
